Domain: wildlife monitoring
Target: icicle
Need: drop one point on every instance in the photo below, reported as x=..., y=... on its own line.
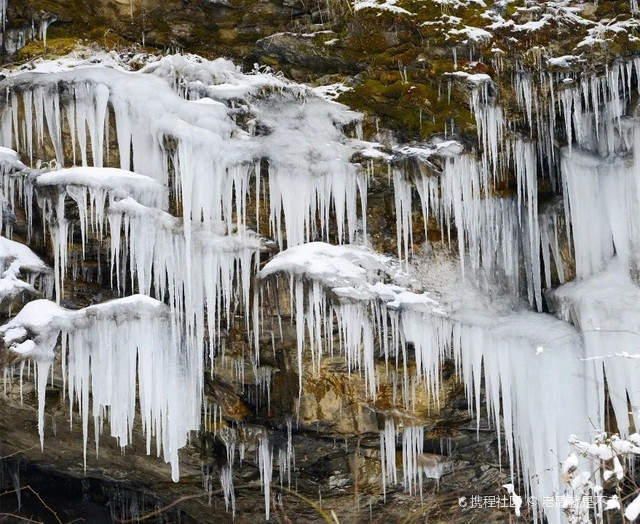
x=3, y=13
x=388, y=455
x=266, y=470
x=44, y=26
x=527, y=180
x=404, y=228
x=226, y=479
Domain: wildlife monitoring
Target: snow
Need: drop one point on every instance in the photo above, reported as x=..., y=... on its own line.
x=441, y=148
x=370, y=150
x=564, y=61
x=475, y=35
x=516, y=500
x=570, y=464
x=21, y=272
x=16, y=257
x=633, y=510
x=612, y=503
x=9, y=158
x=331, y=91
x=474, y=79
x=117, y=182
x=388, y=5
x=335, y=266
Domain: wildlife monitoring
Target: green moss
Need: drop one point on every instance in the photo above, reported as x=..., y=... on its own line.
x=55, y=47
x=271, y=62
x=409, y=103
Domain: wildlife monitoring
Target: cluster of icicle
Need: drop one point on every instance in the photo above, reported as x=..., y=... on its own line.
x=599, y=175
x=154, y=247
x=199, y=136
x=503, y=237
x=499, y=238
x=242, y=440
x=22, y=272
x=178, y=146
x=594, y=339
x=112, y=354
x=175, y=141
x=509, y=353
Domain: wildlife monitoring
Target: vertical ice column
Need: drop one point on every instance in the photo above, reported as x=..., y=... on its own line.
x=526, y=168
x=297, y=198
x=388, y=455
x=265, y=463
x=601, y=199
x=3, y=13
x=412, y=447
x=490, y=122
x=226, y=480
x=404, y=220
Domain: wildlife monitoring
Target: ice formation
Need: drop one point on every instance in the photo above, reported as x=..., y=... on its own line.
x=351, y=274
x=501, y=238
x=3, y=13
x=204, y=152
x=91, y=189
x=287, y=125
x=501, y=351
x=265, y=463
x=192, y=138
x=603, y=307
x=107, y=351
x=158, y=257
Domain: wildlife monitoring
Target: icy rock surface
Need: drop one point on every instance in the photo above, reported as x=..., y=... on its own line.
x=204, y=156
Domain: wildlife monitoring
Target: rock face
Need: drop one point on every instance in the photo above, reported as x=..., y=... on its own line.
x=335, y=381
